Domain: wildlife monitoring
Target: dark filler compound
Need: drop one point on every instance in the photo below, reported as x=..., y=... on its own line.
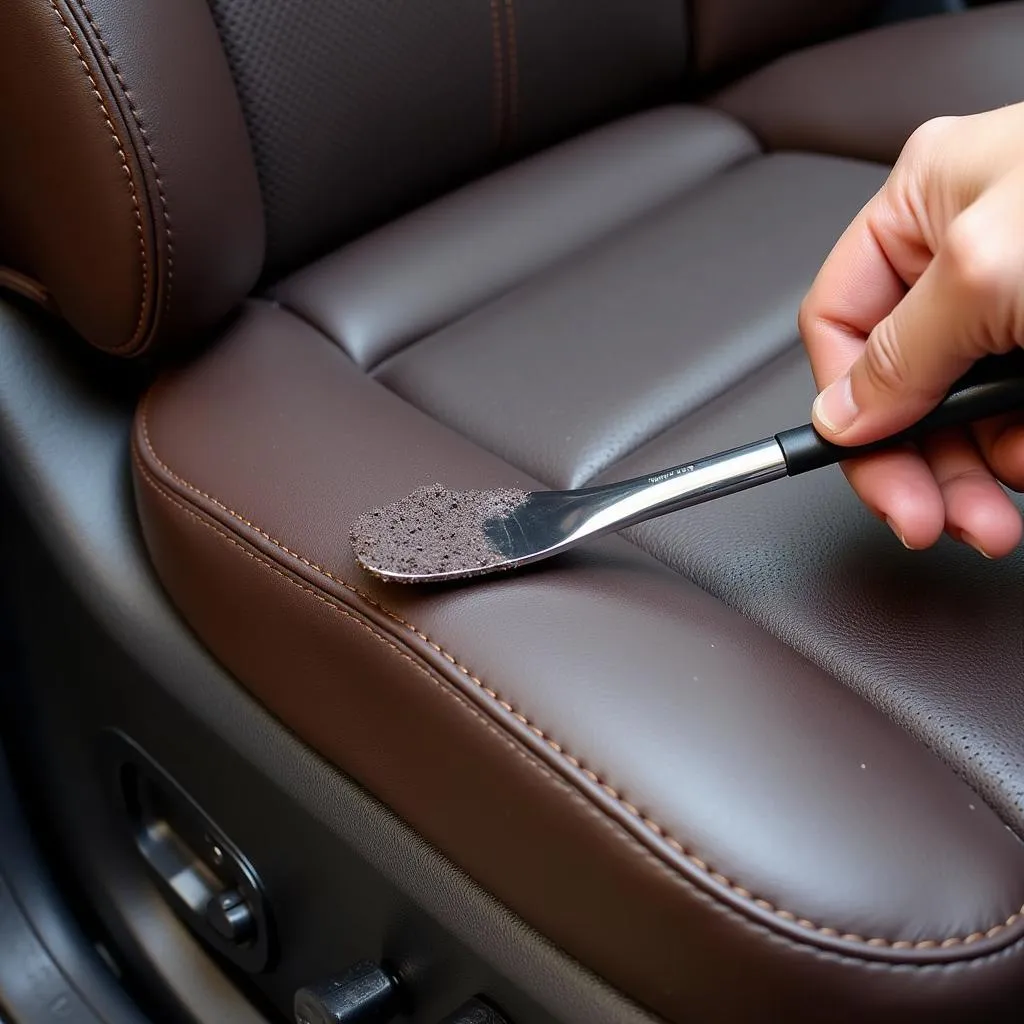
x=433, y=530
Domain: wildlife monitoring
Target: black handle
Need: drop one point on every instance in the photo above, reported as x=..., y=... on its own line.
x=992, y=386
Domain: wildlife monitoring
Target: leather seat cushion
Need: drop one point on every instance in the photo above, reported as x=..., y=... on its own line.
x=935, y=640
x=681, y=763
x=425, y=271
x=583, y=363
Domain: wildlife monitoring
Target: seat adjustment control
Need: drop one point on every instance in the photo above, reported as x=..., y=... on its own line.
x=476, y=1011
x=364, y=994
x=231, y=917
x=204, y=877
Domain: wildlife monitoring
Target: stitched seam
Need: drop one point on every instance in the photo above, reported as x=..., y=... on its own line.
x=487, y=724
x=499, y=71
x=164, y=211
x=513, y=71
x=650, y=824
x=341, y=610
x=137, y=210
x=322, y=598
x=512, y=745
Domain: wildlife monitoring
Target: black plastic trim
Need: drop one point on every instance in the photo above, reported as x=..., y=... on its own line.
x=131, y=773
x=49, y=970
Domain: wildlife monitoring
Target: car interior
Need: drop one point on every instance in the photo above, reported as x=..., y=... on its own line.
x=268, y=264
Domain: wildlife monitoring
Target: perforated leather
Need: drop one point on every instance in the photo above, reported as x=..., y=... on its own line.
x=358, y=111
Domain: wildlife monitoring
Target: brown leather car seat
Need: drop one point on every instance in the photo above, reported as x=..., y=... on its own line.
x=748, y=761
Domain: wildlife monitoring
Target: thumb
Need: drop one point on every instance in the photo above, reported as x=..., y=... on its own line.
x=933, y=335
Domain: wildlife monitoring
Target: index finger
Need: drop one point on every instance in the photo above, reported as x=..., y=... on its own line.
x=877, y=258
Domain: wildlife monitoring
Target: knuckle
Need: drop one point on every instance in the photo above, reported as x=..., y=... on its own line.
x=807, y=317
x=929, y=136
x=885, y=364
x=976, y=259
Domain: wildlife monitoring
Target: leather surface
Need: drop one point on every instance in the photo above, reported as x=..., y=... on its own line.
x=126, y=187
x=586, y=362
x=872, y=90
x=710, y=824
x=408, y=279
x=936, y=640
x=359, y=111
x=574, y=66
x=127, y=659
x=732, y=33
x=700, y=769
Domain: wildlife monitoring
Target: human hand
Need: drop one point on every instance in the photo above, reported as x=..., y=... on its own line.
x=927, y=279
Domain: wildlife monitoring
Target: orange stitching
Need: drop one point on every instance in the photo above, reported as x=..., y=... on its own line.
x=144, y=304
x=513, y=70
x=164, y=211
x=652, y=826
x=331, y=603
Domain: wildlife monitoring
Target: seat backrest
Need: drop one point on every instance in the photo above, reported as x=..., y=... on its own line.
x=159, y=157
x=359, y=109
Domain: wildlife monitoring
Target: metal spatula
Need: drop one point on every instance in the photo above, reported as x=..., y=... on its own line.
x=436, y=534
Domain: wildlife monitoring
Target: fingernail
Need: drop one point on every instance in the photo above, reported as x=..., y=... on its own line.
x=968, y=539
x=899, y=533
x=835, y=408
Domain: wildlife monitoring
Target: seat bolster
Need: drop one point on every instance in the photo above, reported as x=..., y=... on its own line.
x=862, y=96
x=128, y=196
x=659, y=787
